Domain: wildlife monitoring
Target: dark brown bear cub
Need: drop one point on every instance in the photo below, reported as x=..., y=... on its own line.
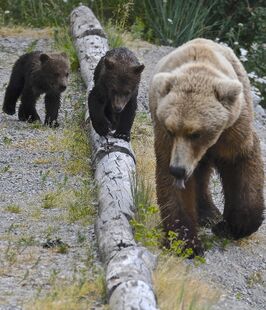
x=113, y=99
x=34, y=74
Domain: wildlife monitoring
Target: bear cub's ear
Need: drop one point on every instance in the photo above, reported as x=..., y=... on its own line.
x=109, y=63
x=227, y=91
x=138, y=69
x=44, y=58
x=163, y=83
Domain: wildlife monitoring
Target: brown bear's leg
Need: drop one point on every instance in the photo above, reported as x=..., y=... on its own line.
x=27, y=110
x=243, y=182
x=52, y=104
x=177, y=207
x=13, y=91
x=126, y=120
x=207, y=211
x=98, y=118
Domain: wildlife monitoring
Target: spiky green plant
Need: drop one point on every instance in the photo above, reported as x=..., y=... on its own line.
x=177, y=21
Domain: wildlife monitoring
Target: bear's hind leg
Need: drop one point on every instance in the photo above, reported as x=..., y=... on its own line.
x=243, y=182
x=52, y=105
x=208, y=213
x=27, y=111
x=13, y=91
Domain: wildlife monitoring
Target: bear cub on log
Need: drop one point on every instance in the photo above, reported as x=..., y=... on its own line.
x=33, y=74
x=113, y=99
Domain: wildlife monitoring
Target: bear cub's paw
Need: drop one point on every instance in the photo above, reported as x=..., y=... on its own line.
x=8, y=110
x=122, y=136
x=51, y=124
x=102, y=128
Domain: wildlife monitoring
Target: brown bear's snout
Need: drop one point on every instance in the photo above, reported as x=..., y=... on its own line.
x=178, y=172
x=180, y=176
x=62, y=87
x=119, y=104
x=118, y=109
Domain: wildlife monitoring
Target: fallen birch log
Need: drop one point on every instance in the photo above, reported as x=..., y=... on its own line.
x=128, y=266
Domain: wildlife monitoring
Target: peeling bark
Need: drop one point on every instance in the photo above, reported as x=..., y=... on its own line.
x=128, y=266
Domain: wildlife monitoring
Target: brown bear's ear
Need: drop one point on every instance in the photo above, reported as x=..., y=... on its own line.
x=163, y=82
x=44, y=58
x=109, y=63
x=138, y=69
x=227, y=91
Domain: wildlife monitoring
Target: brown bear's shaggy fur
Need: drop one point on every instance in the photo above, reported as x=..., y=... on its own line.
x=202, y=112
x=113, y=99
x=33, y=74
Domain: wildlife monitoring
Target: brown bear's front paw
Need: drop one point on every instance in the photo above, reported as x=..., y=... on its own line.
x=51, y=124
x=8, y=110
x=209, y=216
x=222, y=230
x=33, y=118
x=238, y=226
x=122, y=136
x=197, y=248
x=246, y=227
x=102, y=128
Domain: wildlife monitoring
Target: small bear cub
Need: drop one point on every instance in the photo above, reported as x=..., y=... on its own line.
x=113, y=99
x=34, y=74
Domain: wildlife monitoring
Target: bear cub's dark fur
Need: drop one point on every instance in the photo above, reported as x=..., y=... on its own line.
x=33, y=74
x=113, y=99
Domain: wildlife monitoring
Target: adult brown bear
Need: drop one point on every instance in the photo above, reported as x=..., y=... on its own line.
x=202, y=113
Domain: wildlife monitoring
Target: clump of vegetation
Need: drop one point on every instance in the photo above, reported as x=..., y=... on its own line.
x=13, y=208
x=34, y=13
x=79, y=294
x=176, y=289
x=64, y=43
x=176, y=22
x=146, y=214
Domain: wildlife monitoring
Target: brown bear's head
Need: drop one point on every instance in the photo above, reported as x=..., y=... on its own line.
x=193, y=111
x=55, y=71
x=121, y=79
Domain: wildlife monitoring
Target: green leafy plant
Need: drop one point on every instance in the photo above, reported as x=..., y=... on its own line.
x=36, y=13
x=176, y=22
x=64, y=43
x=114, y=34
x=177, y=246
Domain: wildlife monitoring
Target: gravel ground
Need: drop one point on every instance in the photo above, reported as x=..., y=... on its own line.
x=237, y=270
x=31, y=165
x=29, y=169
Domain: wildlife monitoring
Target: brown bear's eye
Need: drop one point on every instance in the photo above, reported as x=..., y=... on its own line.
x=170, y=133
x=67, y=74
x=194, y=136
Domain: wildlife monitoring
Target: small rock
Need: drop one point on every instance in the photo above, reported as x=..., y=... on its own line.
x=260, y=111
x=256, y=98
